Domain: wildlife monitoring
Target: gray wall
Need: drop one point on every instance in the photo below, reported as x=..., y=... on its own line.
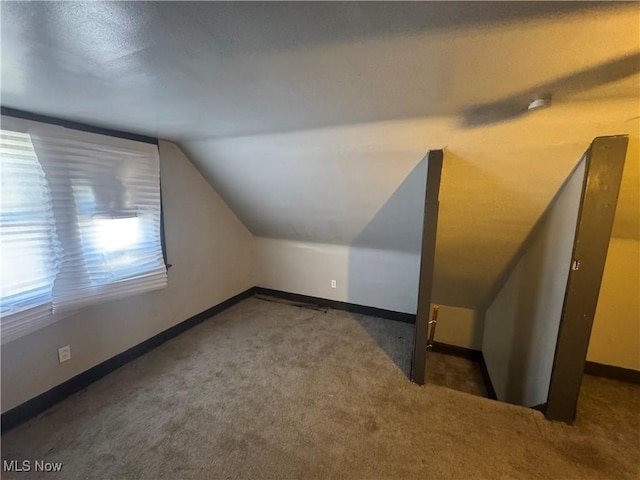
x=211, y=253
x=380, y=266
x=385, y=279
x=365, y=276
x=521, y=325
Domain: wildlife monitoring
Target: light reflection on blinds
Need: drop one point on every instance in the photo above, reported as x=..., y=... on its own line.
x=105, y=205
x=29, y=248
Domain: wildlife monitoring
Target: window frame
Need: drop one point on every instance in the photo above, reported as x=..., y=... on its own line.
x=20, y=121
x=83, y=127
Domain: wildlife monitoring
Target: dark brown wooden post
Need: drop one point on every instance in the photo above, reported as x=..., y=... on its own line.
x=603, y=173
x=430, y=226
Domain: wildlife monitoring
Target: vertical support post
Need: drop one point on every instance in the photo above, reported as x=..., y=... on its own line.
x=430, y=227
x=605, y=162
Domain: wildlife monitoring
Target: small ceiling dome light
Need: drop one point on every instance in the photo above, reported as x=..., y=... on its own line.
x=539, y=103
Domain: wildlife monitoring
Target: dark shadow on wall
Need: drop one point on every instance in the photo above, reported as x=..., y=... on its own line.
x=384, y=258
x=398, y=224
x=384, y=264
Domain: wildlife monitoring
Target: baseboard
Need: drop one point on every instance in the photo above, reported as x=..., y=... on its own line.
x=541, y=407
x=338, y=305
x=29, y=409
x=46, y=400
x=491, y=392
x=469, y=354
x=609, y=371
x=456, y=351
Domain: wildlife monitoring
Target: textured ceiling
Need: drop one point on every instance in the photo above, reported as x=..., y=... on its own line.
x=187, y=70
x=311, y=119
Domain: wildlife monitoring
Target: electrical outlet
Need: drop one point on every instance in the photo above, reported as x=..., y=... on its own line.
x=64, y=353
x=333, y=284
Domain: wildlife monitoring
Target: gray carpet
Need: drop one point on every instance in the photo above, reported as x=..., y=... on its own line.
x=269, y=391
x=454, y=372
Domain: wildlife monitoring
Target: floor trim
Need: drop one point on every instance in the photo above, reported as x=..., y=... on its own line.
x=29, y=409
x=610, y=371
x=338, y=305
x=456, y=351
x=491, y=392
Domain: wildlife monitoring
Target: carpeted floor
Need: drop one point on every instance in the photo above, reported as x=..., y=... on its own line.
x=396, y=340
x=272, y=391
x=454, y=372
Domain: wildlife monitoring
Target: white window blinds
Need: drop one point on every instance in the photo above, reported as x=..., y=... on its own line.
x=29, y=248
x=101, y=196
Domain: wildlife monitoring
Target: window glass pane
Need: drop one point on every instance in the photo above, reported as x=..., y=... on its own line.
x=27, y=232
x=79, y=223
x=115, y=235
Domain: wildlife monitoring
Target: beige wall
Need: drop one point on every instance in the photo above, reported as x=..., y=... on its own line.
x=615, y=338
x=460, y=326
x=521, y=324
x=211, y=253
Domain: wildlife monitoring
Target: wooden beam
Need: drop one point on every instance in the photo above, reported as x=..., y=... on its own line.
x=605, y=162
x=430, y=227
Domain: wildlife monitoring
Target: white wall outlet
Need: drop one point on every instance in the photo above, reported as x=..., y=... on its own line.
x=333, y=284
x=64, y=353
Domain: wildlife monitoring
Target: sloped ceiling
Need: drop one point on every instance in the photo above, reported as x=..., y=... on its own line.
x=311, y=119
x=364, y=185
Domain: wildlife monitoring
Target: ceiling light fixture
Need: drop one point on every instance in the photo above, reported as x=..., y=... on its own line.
x=539, y=103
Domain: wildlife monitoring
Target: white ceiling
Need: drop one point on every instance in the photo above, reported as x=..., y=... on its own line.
x=311, y=119
x=188, y=70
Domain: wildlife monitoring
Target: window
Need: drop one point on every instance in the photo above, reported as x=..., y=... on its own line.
x=79, y=222
x=29, y=250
